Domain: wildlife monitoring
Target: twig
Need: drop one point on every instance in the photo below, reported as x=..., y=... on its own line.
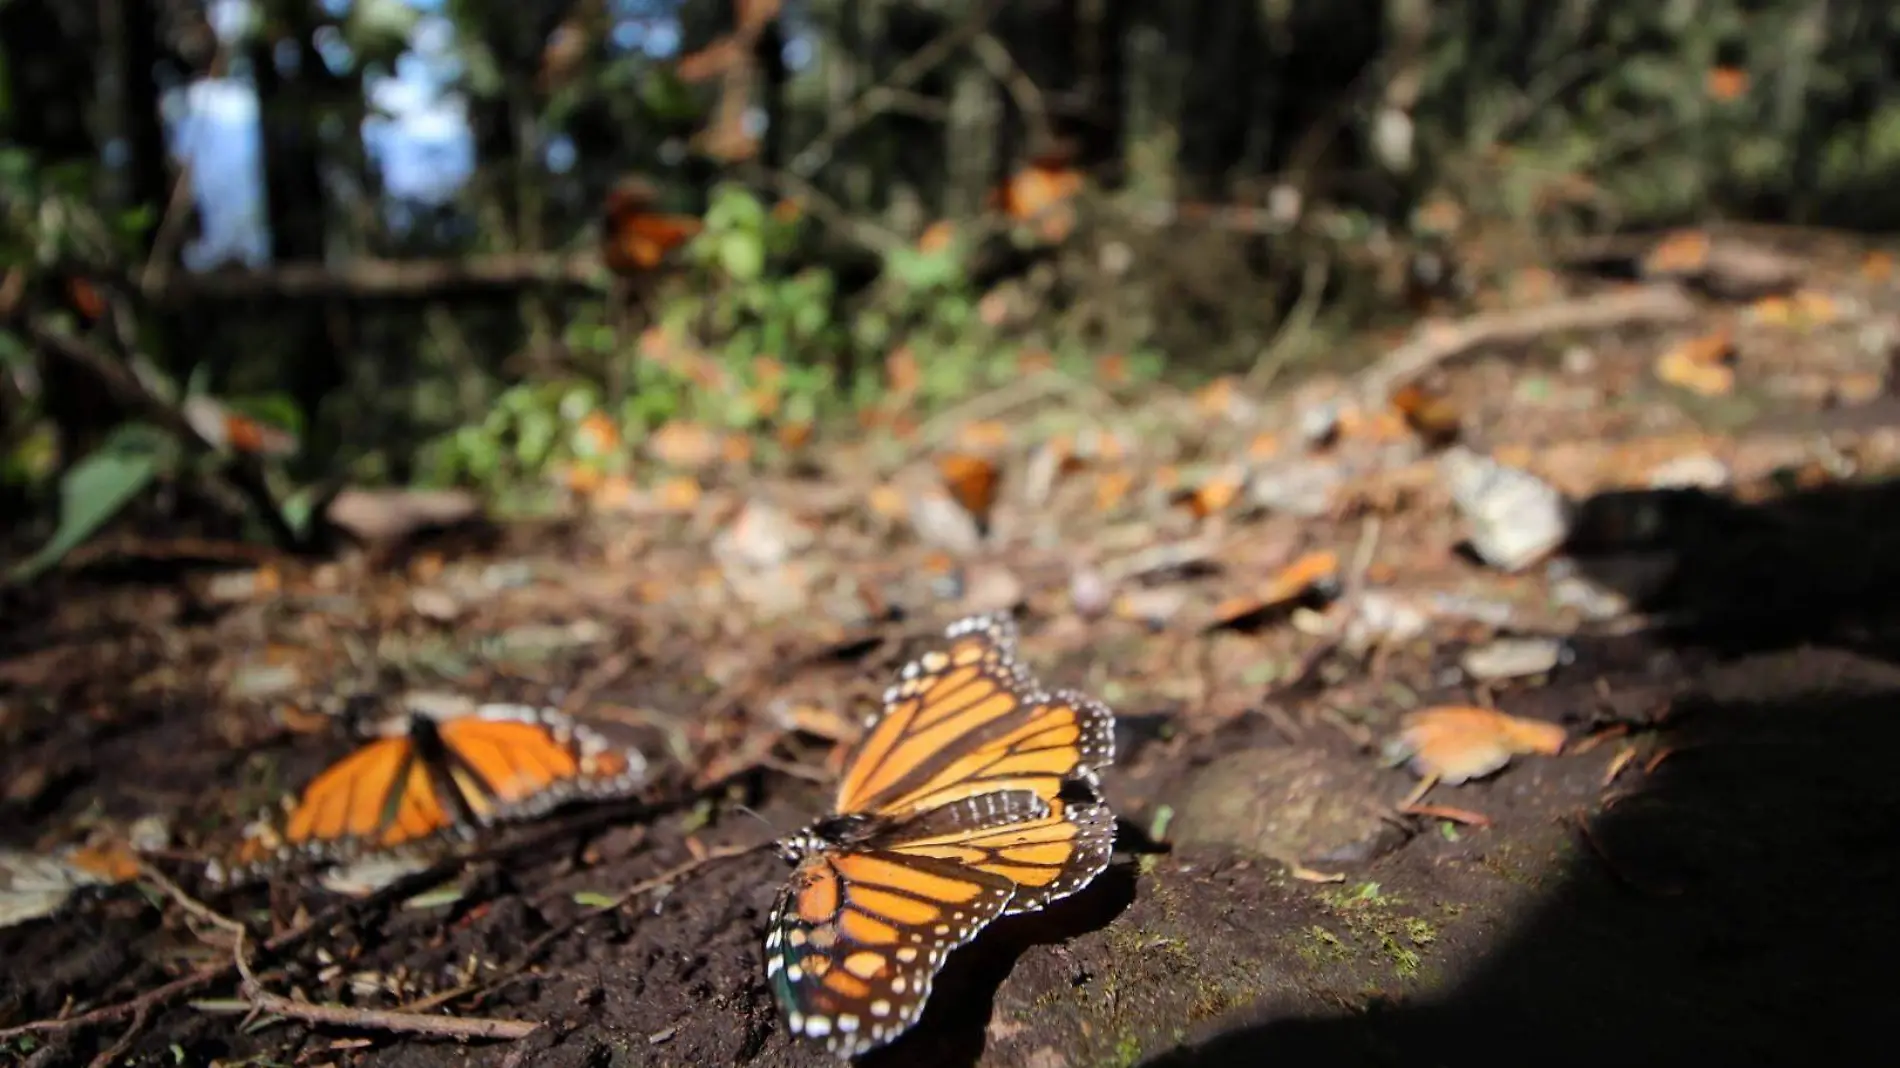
x=163, y=255
x=1582, y=822
x=608, y=672
x=1019, y=393
x=413, y=1023
x=190, y=904
x=257, y=999
x=112, y=1053
x=170, y=233
x=876, y=100
x=1445, y=341
x=1362, y=556
x=1418, y=792
x=1298, y=323
x=796, y=771
x=385, y=279
x=211, y=973
x=1028, y=96
x=862, y=231
x=1446, y=812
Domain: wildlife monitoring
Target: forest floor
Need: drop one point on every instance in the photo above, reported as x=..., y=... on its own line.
x=1707, y=869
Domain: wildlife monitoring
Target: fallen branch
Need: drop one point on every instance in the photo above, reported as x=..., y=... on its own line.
x=257, y=999
x=1446, y=812
x=111, y=1054
x=1439, y=342
x=410, y=1023
x=1581, y=820
x=212, y=973
x=877, y=100
x=387, y=279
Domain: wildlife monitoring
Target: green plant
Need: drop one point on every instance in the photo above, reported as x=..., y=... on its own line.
x=135, y=455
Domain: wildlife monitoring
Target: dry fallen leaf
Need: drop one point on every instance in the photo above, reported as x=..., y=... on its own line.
x=1215, y=494
x=937, y=236
x=1726, y=84
x=1683, y=252
x=1458, y=743
x=388, y=515
x=679, y=495
x=1431, y=416
x=1112, y=488
x=1700, y=364
x=972, y=480
x=685, y=445
x=1315, y=573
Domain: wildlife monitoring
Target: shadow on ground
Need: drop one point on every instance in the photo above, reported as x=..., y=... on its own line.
x=1739, y=907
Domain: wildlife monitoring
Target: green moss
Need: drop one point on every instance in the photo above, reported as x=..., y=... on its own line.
x=1372, y=919
x=1404, y=959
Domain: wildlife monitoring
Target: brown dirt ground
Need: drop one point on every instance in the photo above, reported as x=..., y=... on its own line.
x=1735, y=903
x=1728, y=897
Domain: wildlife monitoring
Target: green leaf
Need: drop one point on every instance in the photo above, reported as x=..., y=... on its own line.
x=14, y=355
x=299, y=508
x=872, y=330
x=198, y=383
x=665, y=96
x=734, y=207
x=742, y=254
x=135, y=222
x=97, y=488
x=275, y=409
x=922, y=270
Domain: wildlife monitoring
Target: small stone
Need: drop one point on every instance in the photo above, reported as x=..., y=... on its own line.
x=1302, y=488
x=1297, y=806
x=1513, y=658
x=1698, y=471
x=1514, y=518
x=1579, y=360
x=436, y=605
x=1382, y=617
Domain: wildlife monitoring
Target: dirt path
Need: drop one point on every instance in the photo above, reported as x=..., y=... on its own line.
x=1707, y=871
x=1737, y=891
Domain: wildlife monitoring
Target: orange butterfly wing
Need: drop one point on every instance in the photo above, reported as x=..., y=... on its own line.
x=641, y=241
x=498, y=762
x=972, y=796
x=381, y=792
x=967, y=720
x=857, y=936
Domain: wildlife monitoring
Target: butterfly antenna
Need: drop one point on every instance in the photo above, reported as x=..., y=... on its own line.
x=777, y=831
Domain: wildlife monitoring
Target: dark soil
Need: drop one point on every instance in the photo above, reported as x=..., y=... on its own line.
x=1733, y=905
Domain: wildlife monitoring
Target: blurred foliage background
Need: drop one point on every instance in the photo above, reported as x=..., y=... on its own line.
x=774, y=222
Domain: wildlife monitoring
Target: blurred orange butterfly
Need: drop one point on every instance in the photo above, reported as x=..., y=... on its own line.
x=972, y=795
x=448, y=771
x=638, y=239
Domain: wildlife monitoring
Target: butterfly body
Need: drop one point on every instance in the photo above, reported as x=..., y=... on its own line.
x=973, y=796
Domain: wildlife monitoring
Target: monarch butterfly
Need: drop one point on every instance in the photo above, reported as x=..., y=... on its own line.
x=450, y=770
x=636, y=238
x=972, y=795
